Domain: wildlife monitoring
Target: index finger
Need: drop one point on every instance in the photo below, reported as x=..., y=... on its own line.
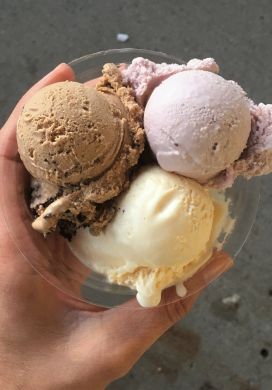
x=92, y=83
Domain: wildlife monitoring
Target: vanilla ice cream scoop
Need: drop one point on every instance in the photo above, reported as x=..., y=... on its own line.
x=197, y=123
x=159, y=237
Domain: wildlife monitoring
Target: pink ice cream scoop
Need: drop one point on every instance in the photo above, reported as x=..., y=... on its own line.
x=197, y=123
x=200, y=125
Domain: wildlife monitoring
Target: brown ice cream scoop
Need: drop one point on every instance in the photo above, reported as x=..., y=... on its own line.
x=80, y=145
x=68, y=132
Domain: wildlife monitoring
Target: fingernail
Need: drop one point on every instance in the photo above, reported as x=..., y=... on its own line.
x=220, y=264
x=53, y=71
x=59, y=66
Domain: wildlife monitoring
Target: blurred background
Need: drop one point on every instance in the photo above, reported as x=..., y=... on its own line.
x=226, y=342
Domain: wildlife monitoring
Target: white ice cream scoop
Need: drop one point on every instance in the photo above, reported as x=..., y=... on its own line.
x=162, y=233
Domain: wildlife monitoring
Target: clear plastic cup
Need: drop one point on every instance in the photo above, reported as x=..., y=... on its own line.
x=51, y=256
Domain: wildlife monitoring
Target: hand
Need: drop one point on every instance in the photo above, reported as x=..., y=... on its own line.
x=51, y=341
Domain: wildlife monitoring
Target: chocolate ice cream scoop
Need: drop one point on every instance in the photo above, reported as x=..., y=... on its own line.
x=69, y=132
x=80, y=144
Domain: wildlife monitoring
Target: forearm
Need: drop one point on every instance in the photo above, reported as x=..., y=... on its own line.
x=17, y=379
x=11, y=378
x=19, y=372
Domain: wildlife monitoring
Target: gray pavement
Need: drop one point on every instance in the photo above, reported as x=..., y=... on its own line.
x=215, y=347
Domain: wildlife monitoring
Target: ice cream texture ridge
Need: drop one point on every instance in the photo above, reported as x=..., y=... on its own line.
x=133, y=170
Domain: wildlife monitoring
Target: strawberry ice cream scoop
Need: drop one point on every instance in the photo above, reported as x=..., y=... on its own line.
x=197, y=123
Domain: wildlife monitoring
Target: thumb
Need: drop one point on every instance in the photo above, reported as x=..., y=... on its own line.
x=8, y=145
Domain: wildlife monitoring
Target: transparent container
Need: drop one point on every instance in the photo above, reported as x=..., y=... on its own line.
x=51, y=256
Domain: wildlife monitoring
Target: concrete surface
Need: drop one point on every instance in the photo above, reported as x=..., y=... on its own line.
x=215, y=347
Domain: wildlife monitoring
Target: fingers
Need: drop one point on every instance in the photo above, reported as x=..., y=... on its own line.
x=8, y=145
x=92, y=83
x=132, y=330
x=122, y=66
x=74, y=304
x=61, y=73
x=217, y=265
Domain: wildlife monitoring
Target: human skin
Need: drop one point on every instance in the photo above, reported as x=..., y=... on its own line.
x=49, y=340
